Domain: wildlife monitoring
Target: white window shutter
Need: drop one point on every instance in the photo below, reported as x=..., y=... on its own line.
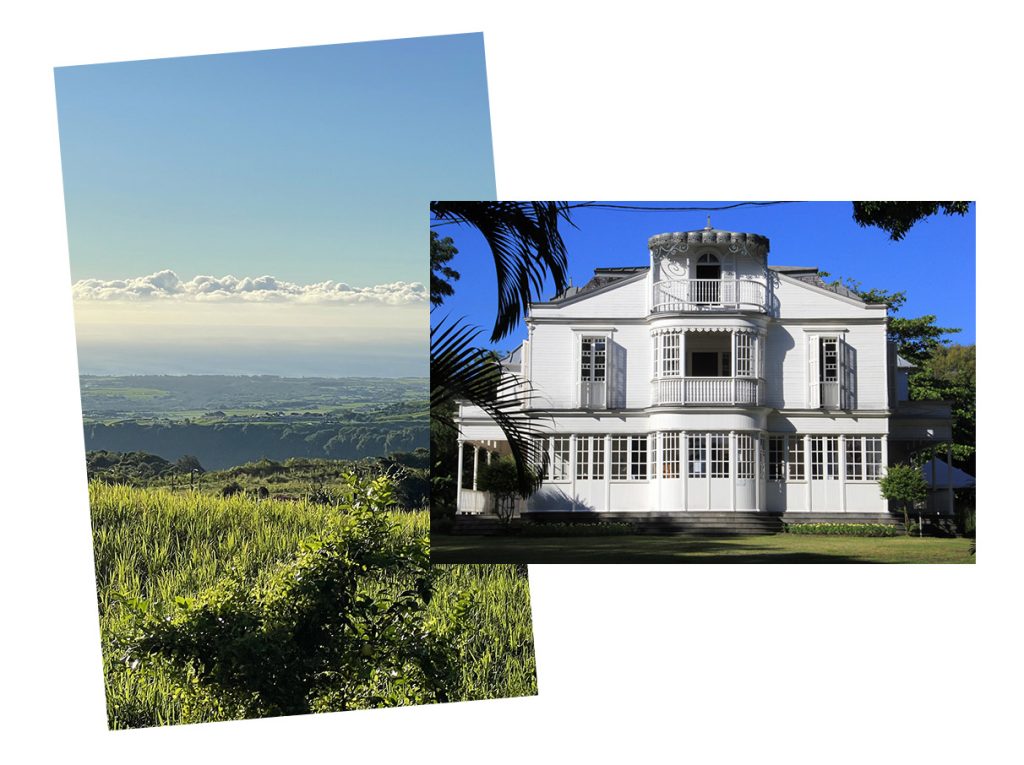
x=813, y=373
x=609, y=372
x=847, y=374
x=577, y=370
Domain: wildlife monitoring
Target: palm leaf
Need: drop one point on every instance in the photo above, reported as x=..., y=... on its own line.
x=460, y=371
x=526, y=245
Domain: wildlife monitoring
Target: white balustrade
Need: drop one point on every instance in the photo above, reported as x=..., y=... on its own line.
x=706, y=390
x=705, y=294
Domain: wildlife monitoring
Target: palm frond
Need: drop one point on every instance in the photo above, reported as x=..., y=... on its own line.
x=460, y=371
x=526, y=245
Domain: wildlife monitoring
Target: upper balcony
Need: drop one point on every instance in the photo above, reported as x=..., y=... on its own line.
x=702, y=295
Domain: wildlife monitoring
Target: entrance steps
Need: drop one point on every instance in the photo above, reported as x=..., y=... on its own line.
x=706, y=522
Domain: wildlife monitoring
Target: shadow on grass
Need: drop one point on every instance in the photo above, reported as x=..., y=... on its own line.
x=622, y=549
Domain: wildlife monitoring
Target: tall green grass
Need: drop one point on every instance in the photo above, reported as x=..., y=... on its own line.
x=156, y=545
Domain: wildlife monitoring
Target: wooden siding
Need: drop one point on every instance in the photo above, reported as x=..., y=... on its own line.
x=614, y=302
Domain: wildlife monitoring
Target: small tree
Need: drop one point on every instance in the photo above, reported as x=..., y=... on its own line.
x=500, y=479
x=187, y=463
x=904, y=484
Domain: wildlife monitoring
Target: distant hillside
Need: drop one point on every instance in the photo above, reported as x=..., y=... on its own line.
x=222, y=445
x=145, y=395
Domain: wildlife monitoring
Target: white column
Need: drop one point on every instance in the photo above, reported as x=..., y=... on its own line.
x=707, y=470
x=476, y=463
x=458, y=480
x=759, y=443
x=807, y=468
x=732, y=466
x=842, y=473
x=607, y=473
x=488, y=456
x=572, y=466
x=885, y=464
x=684, y=466
x=659, y=458
x=682, y=367
x=732, y=374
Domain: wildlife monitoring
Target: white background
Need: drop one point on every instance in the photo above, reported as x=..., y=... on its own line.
x=632, y=100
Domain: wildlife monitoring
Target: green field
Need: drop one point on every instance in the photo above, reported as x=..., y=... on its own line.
x=157, y=546
x=780, y=548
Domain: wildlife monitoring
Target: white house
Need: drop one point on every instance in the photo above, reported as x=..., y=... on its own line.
x=709, y=380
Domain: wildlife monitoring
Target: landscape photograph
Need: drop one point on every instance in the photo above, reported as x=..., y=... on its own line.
x=249, y=279
x=703, y=382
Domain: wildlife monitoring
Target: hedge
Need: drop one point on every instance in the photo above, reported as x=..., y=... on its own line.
x=844, y=529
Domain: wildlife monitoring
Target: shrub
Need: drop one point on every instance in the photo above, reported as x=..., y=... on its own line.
x=904, y=484
x=231, y=489
x=500, y=479
x=344, y=625
x=842, y=529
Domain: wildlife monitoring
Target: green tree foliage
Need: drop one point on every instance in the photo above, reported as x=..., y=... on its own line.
x=441, y=274
x=897, y=218
x=500, y=478
x=949, y=375
x=187, y=463
x=344, y=625
x=944, y=372
x=129, y=468
x=904, y=484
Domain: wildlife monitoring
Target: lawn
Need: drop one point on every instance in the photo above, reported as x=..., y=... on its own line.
x=780, y=548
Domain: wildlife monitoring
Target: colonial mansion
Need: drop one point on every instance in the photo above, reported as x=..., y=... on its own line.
x=709, y=380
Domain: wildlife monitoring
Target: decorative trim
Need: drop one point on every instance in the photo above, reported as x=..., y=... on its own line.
x=704, y=328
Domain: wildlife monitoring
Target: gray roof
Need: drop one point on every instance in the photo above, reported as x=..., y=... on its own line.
x=706, y=235
x=602, y=278
x=810, y=275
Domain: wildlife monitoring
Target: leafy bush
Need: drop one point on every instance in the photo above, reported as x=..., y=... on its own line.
x=344, y=625
x=842, y=529
x=599, y=529
x=904, y=484
x=231, y=489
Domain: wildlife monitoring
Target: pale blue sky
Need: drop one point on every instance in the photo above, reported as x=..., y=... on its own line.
x=305, y=164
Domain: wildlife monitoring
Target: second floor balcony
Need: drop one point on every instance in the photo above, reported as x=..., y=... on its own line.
x=707, y=391
x=681, y=295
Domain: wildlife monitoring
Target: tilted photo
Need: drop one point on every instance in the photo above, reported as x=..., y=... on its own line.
x=252, y=317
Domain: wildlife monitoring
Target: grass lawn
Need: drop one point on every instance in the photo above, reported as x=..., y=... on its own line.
x=780, y=548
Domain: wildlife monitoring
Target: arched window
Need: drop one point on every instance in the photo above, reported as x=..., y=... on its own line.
x=708, y=267
x=707, y=280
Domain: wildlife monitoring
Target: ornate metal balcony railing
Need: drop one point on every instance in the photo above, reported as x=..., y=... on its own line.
x=699, y=391
x=709, y=295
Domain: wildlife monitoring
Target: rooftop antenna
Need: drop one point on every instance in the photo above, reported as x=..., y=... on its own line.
x=708, y=227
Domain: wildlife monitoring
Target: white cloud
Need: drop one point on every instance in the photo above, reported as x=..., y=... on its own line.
x=165, y=285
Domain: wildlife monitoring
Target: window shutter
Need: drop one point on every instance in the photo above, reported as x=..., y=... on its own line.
x=847, y=374
x=813, y=373
x=609, y=373
x=577, y=370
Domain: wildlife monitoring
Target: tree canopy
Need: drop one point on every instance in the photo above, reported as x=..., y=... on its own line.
x=897, y=218
x=441, y=274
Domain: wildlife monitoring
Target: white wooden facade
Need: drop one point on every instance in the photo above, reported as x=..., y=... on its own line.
x=708, y=380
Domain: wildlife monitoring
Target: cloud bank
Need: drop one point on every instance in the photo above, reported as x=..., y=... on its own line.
x=165, y=285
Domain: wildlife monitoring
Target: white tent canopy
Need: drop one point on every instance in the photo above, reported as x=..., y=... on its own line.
x=937, y=474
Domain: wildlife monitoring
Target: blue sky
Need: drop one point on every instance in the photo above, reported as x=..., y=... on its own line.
x=309, y=165
x=934, y=263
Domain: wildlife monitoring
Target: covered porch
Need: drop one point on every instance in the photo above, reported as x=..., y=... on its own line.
x=472, y=454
